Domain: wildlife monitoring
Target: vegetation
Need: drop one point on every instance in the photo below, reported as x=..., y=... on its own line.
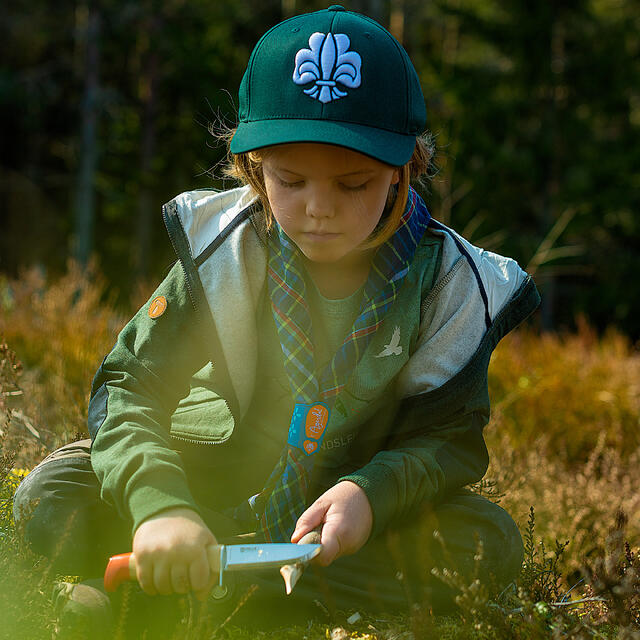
x=534, y=106
x=564, y=457
x=536, y=115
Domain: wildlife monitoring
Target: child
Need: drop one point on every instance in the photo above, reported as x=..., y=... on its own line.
x=322, y=282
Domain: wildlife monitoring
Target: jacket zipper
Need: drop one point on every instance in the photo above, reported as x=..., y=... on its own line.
x=192, y=441
x=196, y=309
x=184, y=270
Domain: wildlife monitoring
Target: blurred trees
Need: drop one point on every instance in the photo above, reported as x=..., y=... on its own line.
x=539, y=116
x=535, y=108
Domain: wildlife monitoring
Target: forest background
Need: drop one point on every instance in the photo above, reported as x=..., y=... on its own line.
x=535, y=108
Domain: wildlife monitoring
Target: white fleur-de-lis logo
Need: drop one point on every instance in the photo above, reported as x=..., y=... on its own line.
x=326, y=63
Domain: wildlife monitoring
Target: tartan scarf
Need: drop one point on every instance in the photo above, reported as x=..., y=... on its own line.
x=284, y=495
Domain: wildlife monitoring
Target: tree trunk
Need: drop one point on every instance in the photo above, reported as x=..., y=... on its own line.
x=373, y=8
x=88, y=158
x=288, y=8
x=396, y=20
x=148, y=90
x=554, y=100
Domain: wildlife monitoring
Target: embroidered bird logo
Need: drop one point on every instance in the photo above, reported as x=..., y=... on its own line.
x=393, y=348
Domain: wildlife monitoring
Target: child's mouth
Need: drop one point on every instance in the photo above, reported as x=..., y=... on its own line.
x=320, y=236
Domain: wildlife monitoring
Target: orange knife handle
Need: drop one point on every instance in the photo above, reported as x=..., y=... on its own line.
x=123, y=567
x=119, y=568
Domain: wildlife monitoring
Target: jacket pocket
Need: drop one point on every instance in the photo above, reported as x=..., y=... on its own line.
x=203, y=416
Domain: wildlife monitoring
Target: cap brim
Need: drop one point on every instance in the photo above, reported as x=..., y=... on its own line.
x=387, y=146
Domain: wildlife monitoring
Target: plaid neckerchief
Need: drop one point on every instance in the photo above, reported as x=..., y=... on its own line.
x=284, y=495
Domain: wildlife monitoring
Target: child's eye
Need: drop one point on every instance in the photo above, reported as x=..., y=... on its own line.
x=355, y=187
x=289, y=185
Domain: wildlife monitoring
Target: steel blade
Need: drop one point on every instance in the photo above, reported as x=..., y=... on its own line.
x=241, y=557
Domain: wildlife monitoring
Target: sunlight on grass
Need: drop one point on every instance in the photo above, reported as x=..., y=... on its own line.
x=564, y=441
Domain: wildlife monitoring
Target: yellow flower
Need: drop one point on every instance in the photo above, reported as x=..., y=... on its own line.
x=15, y=477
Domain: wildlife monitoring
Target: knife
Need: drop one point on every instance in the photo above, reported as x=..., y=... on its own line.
x=291, y=572
x=223, y=557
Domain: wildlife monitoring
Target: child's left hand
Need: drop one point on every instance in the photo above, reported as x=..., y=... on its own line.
x=346, y=518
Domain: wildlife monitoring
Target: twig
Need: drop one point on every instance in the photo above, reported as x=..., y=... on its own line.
x=572, y=602
x=250, y=591
x=26, y=423
x=546, y=251
x=564, y=597
x=504, y=609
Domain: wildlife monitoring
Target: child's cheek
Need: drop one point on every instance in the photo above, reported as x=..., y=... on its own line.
x=285, y=216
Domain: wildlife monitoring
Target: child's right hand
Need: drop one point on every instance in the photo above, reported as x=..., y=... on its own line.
x=170, y=553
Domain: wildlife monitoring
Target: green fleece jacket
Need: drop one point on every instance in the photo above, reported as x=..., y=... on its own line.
x=169, y=404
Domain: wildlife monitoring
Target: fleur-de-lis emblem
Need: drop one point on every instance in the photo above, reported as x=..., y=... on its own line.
x=326, y=63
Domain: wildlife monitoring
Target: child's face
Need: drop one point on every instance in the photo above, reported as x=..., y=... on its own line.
x=327, y=199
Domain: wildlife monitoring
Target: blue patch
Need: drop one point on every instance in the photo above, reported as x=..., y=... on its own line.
x=308, y=425
x=97, y=410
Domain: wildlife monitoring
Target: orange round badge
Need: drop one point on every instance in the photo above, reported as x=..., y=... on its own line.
x=157, y=307
x=310, y=446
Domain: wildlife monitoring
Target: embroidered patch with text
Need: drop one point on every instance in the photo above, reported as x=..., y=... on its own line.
x=308, y=425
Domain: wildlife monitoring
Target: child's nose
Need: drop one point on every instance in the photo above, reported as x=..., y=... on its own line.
x=320, y=203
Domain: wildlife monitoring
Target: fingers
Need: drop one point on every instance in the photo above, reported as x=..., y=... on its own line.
x=164, y=577
x=201, y=577
x=331, y=545
x=179, y=578
x=171, y=552
x=154, y=577
x=346, y=517
x=313, y=517
x=202, y=594
x=309, y=520
x=144, y=574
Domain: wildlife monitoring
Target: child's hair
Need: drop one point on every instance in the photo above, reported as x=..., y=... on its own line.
x=247, y=169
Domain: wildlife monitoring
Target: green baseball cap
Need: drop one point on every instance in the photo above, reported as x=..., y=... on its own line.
x=332, y=76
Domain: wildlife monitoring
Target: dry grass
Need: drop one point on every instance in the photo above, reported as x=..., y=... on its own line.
x=564, y=438
x=61, y=332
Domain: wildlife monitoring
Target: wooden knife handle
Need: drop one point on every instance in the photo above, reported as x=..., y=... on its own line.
x=313, y=537
x=123, y=567
x=291, y=572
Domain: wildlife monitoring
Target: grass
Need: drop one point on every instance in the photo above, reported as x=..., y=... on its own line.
x=564, y=440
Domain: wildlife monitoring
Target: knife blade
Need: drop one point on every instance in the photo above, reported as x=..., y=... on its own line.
x=222, y=557
x=245, y=557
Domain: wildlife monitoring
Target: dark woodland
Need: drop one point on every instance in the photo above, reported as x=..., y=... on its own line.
x=535, y=108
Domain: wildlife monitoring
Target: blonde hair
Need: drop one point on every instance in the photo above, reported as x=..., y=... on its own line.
x=247, y=169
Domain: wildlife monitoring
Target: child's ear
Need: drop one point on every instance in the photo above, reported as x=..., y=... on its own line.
x=395, y=178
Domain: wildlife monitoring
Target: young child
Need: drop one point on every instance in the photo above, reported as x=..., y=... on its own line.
x=320, y=284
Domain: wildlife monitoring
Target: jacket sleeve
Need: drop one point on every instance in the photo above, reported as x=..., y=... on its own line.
x=134, y=393
x=436, y=445
x=431, y=453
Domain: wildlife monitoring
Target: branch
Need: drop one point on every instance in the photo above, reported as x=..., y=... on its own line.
x=572, y=602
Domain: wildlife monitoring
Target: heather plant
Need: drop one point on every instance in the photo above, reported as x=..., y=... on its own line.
x=61, y=329
x=569, y=390
x=564, y=447
x=28, y=616
x=576, y=502
x=613, y=582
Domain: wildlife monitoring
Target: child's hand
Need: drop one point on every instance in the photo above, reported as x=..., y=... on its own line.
x=170, y=552
x=346, y=518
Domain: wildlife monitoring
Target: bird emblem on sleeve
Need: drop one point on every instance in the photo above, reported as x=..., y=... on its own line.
x=393, y=348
